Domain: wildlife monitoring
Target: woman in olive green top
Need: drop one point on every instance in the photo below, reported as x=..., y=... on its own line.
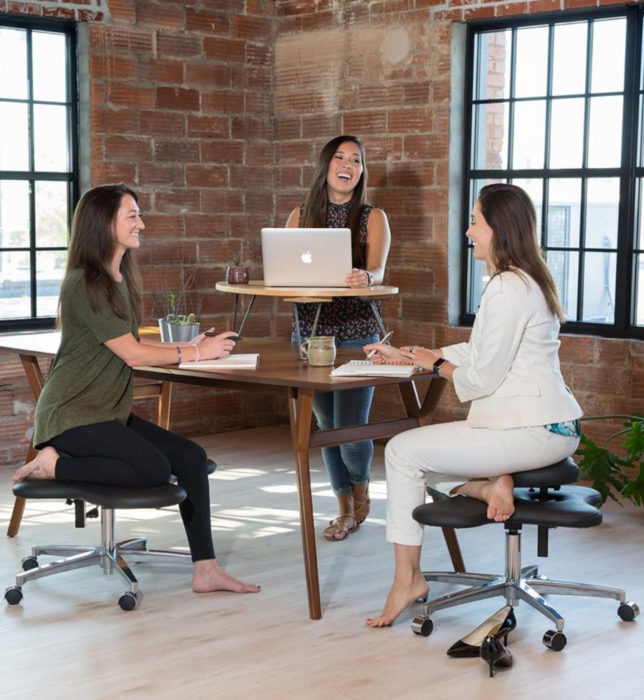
x=83, y=425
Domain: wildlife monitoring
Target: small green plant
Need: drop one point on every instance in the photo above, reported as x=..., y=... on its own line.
x=181, y=319
x=236, y=261
x=609, y=473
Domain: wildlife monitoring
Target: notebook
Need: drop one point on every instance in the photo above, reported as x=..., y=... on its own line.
x=366, y=368
x=240, y=361
x=306, y=257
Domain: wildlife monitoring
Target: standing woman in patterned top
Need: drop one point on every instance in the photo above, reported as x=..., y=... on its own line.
x=337, y=199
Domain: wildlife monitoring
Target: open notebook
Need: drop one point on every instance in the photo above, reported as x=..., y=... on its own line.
x=366, y=368
x=240, y=361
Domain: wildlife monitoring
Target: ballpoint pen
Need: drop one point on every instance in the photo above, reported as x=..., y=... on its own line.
x=384, y=340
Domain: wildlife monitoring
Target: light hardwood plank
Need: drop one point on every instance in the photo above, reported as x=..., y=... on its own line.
x=68, y=639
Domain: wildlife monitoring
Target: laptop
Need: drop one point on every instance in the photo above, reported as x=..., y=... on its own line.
x=306, y=257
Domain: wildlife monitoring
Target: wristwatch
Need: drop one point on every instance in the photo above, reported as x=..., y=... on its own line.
x=369, y=278
x=438, y=364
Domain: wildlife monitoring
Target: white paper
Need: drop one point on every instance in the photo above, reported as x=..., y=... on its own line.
x=240, y=361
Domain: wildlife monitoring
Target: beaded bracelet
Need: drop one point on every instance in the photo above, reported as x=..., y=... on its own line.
x=179, y=359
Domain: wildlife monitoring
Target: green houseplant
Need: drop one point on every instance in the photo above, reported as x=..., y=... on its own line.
x=611, y=474
x=178, y=324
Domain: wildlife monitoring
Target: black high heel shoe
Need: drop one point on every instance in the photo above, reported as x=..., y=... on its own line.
x=498, y=626
x=496, y=654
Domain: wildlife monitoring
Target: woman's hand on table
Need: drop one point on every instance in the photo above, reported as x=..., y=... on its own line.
x=218, y=345
x=357, y=278
x=383, y=353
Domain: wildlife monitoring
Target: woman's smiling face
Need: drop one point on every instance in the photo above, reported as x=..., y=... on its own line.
x=344, y=172
x=480, y=233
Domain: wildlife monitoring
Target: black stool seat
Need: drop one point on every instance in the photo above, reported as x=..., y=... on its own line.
x=542, y=497
x=104, y=496
x=574, y=506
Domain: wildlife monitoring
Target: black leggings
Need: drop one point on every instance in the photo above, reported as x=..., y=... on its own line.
x=141, y=455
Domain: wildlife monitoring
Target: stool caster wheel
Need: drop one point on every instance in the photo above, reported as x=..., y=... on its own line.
x=129, y=601
x=13, y=595
x=29, y=563
x=555, y=640
x=628, y=611
x=422, y=626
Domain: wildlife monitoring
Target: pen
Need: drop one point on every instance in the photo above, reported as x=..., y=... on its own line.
x=385, y=339
x=212, y=334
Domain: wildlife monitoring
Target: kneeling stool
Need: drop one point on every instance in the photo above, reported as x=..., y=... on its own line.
x=541, y=500
x=108, y=555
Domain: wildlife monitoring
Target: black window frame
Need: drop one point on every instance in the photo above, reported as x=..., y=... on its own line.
x=628, y=172
x=72, y=177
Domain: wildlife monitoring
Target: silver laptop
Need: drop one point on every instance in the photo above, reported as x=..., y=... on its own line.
x=306, y=257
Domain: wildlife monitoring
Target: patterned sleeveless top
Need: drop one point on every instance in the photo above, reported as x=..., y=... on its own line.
x=347, y=318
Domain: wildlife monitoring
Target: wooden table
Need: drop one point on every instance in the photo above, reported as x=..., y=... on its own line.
x=305, y=295
x=280, y=367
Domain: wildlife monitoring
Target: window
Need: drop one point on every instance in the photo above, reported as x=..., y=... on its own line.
x=555, y=106
x=38, y=164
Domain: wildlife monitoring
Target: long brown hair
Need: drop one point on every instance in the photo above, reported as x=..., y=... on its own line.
x=315, y=205
x=93, y=245
x=511, y=215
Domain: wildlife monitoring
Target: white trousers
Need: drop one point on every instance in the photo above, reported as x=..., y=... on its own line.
x=450, y=454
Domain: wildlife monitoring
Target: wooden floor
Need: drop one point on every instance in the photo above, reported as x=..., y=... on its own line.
x=68, y=638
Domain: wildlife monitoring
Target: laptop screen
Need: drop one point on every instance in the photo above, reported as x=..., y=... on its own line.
x=306, y=257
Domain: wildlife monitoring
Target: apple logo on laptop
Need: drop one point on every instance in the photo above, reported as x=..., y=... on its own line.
x=307, y=258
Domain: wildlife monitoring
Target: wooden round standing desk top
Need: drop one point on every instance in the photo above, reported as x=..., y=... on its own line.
x=258, y=288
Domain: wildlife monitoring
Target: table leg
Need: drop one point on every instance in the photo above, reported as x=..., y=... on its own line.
x=378, y=317
x=301, y=411
x=240, y=330
x=35, y=379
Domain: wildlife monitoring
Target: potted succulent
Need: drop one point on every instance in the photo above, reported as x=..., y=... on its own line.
x=609, y=473
x=237, y=272
x=177, y=325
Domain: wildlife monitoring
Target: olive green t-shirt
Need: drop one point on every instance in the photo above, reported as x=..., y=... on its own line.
x=88, y=383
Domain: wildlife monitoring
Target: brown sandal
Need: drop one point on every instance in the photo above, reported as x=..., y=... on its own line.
x=340, y=528
x=361, y=501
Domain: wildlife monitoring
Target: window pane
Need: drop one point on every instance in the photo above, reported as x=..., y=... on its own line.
x=13, y=52
x=51, y=214
x=529, y=134
x=639, y=290
x=14, y=136
x=14, y=214
x=605, y=133
x=14, y=285
x=564, y=267
x=50, y=268
x=50, y=138
x=569, y=62
x=564, y=209
x=49, y=60
x=479, y=277
x=607, y=72
x=490, y=136
x=599, y=287
x=602, y=211
x=492, y=68
x=567, y=133
x=532, y=62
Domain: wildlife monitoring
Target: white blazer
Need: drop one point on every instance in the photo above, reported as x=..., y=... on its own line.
x=509, y=368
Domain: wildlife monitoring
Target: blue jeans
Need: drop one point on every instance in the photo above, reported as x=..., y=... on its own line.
x=350, y=463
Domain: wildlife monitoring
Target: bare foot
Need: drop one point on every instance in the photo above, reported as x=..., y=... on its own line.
x=43, y=466
x=498, y=494
x=400, y=596
x=208, y=576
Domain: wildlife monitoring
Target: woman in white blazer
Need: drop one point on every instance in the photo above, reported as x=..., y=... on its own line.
x=522, y=416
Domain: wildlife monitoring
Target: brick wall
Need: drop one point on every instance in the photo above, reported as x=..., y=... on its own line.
x=215, y=110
